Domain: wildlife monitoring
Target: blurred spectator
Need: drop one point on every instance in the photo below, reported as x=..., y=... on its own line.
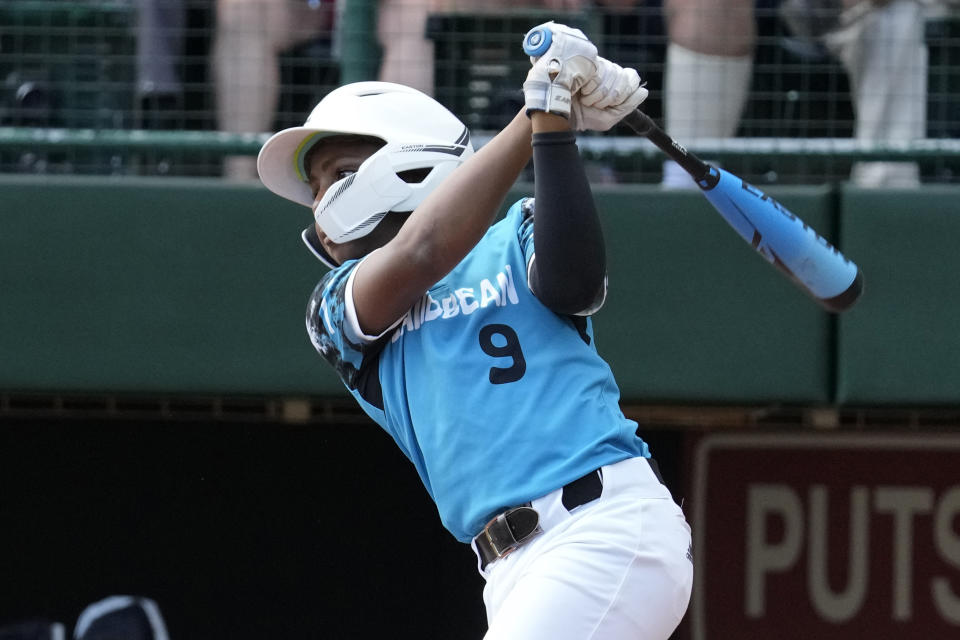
x=160, y=36
x=121, y=617
x=112, y=618
x=880, y=43
x=885, y=55
x=408, y=54
x=250, y=36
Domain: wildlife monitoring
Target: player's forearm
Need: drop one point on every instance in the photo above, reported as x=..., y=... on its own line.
x=453, y=218
x=568, y=273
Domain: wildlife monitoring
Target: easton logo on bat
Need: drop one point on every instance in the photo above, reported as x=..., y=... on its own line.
x=752, y=190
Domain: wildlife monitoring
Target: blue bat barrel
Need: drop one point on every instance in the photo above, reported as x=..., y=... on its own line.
x=785, y=240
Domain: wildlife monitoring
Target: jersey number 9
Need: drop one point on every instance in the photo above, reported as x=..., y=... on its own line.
x=510, y=349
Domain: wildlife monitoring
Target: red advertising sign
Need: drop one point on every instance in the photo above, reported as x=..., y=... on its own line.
x=827, y=537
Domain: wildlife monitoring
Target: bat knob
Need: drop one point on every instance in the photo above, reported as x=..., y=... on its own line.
x=537, y=41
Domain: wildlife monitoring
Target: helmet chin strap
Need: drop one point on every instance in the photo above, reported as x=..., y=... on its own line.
x=353, y=206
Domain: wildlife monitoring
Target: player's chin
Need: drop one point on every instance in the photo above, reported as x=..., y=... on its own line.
x=339, y=251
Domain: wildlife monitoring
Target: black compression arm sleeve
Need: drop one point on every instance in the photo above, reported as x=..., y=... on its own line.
x=570, y=265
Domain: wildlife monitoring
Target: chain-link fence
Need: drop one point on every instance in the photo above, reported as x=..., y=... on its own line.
x=183, y=87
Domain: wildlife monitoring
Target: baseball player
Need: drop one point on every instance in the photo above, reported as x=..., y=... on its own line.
x=470, y=342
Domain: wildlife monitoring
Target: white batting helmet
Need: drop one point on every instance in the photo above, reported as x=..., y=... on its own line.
x=417, y=131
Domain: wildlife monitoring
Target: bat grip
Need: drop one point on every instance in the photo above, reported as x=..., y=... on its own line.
x=699, y=170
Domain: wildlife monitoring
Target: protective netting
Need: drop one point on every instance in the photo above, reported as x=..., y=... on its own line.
x=190, y=87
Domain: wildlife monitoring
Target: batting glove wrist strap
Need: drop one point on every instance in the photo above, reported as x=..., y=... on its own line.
x=543, y=95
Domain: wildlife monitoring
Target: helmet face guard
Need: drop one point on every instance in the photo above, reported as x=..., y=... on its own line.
x=352, y=207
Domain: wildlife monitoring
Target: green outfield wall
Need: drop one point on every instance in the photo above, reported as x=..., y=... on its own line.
x=198, y=286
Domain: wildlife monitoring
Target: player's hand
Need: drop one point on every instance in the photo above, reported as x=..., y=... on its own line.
x=606, y=97
x=561, y=71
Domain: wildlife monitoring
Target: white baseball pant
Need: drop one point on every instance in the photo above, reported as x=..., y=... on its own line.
x=617, y=568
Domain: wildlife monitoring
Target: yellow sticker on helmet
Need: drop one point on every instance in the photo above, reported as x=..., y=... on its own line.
x=301, y=153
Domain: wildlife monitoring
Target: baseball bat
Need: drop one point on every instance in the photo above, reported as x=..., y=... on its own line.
x=782, y=238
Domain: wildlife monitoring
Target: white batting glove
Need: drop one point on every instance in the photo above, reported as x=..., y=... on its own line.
x=560, y=72
x=606, y=97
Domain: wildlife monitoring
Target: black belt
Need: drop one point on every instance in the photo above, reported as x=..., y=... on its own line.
x=516, y=526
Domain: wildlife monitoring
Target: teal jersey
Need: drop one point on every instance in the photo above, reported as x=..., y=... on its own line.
x=495, y=398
